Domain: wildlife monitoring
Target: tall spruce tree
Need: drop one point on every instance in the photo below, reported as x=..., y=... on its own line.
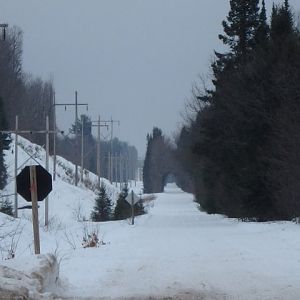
x=146, y=168
x=240, y=33
x=103, y=206
x=282, y=23
x=245, y=144
x=240, y=27
x=231, y=128
x=284, y=91
x=153, y=160
x=263, y=30
x=122, y=210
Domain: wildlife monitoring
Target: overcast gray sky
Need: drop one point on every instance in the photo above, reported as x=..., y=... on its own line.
x=134, y=60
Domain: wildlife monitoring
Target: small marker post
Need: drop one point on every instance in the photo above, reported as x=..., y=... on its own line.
x=132, y=208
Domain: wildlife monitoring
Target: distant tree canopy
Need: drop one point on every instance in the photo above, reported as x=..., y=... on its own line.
x=124, y=156
x=160, y=161
x=241, y=150
x=29, y=98
x=84, y=123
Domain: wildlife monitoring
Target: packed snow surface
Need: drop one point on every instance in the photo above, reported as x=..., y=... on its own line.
x=176, y=249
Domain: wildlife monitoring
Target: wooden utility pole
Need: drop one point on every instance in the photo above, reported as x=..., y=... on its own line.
x=120, y=171
x=35, y=216
x=98, y=125
x=47, y=168
x=54, y=139
x=132, y=208
x=16, y=167
x=111, y=150
x=110, y=156
x=76, y=140
x=98, y=151
x=82, y=149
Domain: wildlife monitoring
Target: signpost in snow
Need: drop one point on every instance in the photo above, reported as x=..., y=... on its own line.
x=132, y=199
x=34, y=183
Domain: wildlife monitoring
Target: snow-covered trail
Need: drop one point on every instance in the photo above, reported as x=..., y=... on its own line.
x=176, y=251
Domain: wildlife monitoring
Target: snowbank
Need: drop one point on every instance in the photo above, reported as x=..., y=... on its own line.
x=25, y=282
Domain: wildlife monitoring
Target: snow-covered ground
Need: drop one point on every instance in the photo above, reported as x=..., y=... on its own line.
x=173, y=251
x=177, y=250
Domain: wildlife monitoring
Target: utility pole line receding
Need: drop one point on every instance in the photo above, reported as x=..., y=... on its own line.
x=76, y=104
x=82, y=149
x=98, y=144
x=111, y=150
x=110, y=158
x=76, y=140
x=98, y=151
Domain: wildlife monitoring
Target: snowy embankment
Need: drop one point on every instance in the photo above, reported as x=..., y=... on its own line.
x=69, y=206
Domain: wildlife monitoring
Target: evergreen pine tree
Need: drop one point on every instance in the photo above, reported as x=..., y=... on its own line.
x=123, y=209
x=281, y=23
x=6, y=207
x=263, y=30
x=240, y=34
x=240, y=27
x=103, y=206
x=229, y=135
x=155, y=164
x=149, y=163
x=146, y=167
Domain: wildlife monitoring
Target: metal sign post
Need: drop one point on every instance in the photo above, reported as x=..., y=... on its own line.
x=34, y=184
x=132, y=199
